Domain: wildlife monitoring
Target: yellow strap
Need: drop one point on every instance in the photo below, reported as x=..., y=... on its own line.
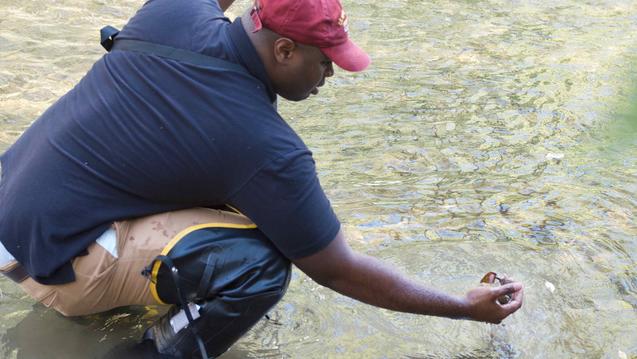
x=173, y=242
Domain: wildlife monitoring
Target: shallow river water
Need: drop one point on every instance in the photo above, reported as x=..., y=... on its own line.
x=486, y=136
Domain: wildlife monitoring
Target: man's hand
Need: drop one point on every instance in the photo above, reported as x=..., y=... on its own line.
x=483, y=306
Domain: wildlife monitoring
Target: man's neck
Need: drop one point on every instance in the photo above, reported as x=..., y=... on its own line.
x=260, y=40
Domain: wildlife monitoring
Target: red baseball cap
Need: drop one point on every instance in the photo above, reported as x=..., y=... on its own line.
x=320, y=23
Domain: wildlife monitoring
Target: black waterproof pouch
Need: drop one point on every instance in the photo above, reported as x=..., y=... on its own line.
x=206, y=260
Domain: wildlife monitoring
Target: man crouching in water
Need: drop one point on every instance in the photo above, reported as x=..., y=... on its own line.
x=167, y=176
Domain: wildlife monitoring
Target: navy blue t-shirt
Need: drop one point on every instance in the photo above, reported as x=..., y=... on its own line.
x=141, y=134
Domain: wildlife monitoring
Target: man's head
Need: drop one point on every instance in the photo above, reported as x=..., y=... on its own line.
x=298, y=40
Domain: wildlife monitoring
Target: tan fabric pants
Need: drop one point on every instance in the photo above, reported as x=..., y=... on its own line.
x=104, y=282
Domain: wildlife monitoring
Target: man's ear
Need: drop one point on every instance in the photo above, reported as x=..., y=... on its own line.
x=284, y=50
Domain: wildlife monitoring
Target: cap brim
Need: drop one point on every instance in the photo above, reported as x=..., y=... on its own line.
x=348, y=56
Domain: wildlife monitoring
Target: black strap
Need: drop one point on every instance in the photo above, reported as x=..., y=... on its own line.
x=107, y=39
x=205, y=282
x=183, y=303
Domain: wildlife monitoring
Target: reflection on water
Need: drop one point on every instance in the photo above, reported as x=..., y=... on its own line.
x=43, y=333
x=484, y=137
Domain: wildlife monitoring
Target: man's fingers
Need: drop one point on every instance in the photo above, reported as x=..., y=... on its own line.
x=512, y=306
x=517, y=298
x=506, y=289
x=504, y=279
x=518, y=295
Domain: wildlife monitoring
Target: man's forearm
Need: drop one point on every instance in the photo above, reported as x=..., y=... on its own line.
x=373, y=282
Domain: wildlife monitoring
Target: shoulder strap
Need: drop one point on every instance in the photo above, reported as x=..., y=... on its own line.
x=109, y=33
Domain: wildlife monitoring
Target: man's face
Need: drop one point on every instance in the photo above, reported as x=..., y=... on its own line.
x=305, y=74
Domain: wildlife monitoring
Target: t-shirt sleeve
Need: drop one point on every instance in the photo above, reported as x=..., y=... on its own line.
x=287, y=203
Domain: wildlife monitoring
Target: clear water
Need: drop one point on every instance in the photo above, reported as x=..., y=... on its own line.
x=486, y=136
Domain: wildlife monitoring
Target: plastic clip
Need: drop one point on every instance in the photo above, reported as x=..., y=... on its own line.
x=107, y=37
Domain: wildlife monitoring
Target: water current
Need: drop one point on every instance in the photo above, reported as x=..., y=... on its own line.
x=486, y=136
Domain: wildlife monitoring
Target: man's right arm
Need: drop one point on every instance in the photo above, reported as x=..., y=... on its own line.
x=371, y=281
x=285, y=199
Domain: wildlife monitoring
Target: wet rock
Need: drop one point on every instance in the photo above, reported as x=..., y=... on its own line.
x=526, y=191
x=550, y=286
x=554, y=156
x=478, y=224
x=446, y=234
x=504, y=208
x=542, y=234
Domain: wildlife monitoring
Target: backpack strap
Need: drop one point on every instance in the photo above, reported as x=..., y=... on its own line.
x=108, y=36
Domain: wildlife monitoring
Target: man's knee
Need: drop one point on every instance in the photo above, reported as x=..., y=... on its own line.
x=213, y=262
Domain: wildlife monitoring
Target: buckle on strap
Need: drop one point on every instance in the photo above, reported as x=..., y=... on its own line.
x=107, y=36
x=17, y=274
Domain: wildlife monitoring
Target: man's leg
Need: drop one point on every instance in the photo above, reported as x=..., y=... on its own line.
x=234, y=276
x=248, y=278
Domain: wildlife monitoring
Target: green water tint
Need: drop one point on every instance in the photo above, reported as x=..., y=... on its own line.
x=486, y=136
